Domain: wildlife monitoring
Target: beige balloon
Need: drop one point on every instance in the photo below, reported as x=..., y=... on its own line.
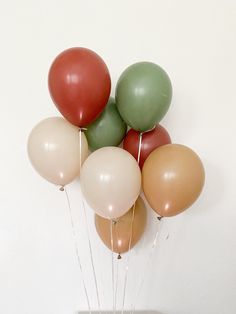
x=54, y=150
x=110, y=181
x=121, y=229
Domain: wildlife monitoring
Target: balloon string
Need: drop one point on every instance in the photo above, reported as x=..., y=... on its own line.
x=131, y=230
x=91, y=258
x=87, y=231
x=157, y=236
x=112, y=266
x=128, y=258
x=140, y=146
x=117, y=277
x=77, y=249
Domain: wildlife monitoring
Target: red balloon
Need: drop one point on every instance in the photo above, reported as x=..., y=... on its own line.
x=79, y=83
x=150, y=141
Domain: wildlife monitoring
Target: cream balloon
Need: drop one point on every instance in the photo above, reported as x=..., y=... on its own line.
x=54, y=150
x=110, y=181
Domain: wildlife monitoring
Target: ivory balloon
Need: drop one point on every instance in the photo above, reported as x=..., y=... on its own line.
x=54, y=150
x=121, y=230
x=110, y=181
x=173, y=178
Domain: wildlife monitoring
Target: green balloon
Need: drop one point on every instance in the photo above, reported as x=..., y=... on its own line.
x=143, y=95
x=108, y=130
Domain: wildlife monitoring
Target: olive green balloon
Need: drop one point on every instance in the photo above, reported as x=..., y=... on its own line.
x=108, y=130
x=143, y=95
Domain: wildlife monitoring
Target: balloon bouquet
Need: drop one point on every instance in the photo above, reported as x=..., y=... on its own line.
x=111, y=178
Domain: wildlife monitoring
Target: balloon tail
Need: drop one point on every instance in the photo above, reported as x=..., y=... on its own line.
x=77, y=249
x=157, y=236
x=87, y=230
x=168, y=235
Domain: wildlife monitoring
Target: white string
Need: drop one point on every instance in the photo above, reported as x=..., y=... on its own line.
x=87, y=230
x=91, y=258
x=140, y=146
x=112, y=266
x=77, y=249
x=157, y=235
x=128, y=259
x=131, y=232
x=117, y=277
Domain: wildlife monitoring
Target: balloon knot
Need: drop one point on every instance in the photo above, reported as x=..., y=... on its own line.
x=62, y=188
x=149, y=129
x=114, y=222
x=119, y=256
x=159, y=218
x=83, y=129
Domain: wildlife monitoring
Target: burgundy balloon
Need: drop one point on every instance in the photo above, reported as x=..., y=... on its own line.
x=150, y=141
x=79, y=83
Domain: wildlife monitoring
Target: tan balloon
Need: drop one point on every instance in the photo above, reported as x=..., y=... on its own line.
x=54, y=150
x=121, y=230
x=173, y=177
x=110, y=181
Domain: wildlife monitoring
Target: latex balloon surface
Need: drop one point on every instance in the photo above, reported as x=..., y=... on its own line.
x=143, y=95
x=173, y=178
x=54, y=150
x=121, y=230
x=148, y=142
x=79, y=83
x=110, y=181
x=108, y=129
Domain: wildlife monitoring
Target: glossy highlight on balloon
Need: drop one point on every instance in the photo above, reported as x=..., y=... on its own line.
x=121, y=228
x=110, y=181
x=54, y=150
x=148, y=142
x=172, y=177
x=79, y=83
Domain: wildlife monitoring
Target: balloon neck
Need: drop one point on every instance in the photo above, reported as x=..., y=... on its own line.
x=149, y=130
x=114, y=222
x=119, y=256
x=82, y=129
x=62, y=188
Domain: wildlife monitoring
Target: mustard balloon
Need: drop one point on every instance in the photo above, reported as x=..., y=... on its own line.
x=173, y=178
x=121, y=229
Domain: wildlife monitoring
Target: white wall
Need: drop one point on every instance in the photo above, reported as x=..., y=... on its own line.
x=192, y=272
